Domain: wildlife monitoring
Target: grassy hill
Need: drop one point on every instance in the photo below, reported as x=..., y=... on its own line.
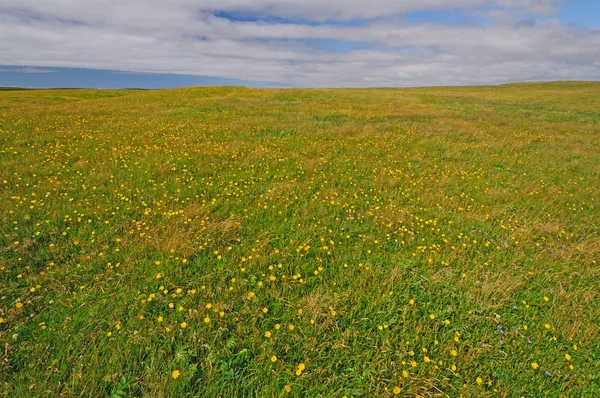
x=263, y=242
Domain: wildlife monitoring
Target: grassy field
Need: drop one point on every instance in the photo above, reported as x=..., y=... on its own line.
x=256, y=243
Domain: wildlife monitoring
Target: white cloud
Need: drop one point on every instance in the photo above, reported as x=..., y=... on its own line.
x=183, y=36
x=317, y=10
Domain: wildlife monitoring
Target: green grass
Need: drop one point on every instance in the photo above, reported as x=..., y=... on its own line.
x=429, y=241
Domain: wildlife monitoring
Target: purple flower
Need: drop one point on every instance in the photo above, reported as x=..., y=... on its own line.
x=547, y=373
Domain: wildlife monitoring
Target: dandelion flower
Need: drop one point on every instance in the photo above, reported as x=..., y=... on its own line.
x=175, y=374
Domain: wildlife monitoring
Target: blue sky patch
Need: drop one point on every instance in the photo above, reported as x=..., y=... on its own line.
x=31, y=77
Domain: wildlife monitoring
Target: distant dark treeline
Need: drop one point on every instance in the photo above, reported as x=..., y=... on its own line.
x=12, y=88
x=67, y=88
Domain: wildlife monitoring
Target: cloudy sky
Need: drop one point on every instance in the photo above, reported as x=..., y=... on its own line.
x=314, y=43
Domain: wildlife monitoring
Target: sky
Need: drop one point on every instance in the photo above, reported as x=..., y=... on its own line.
x=296, y=43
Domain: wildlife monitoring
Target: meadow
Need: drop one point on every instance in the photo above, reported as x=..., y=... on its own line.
x=301, y=243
